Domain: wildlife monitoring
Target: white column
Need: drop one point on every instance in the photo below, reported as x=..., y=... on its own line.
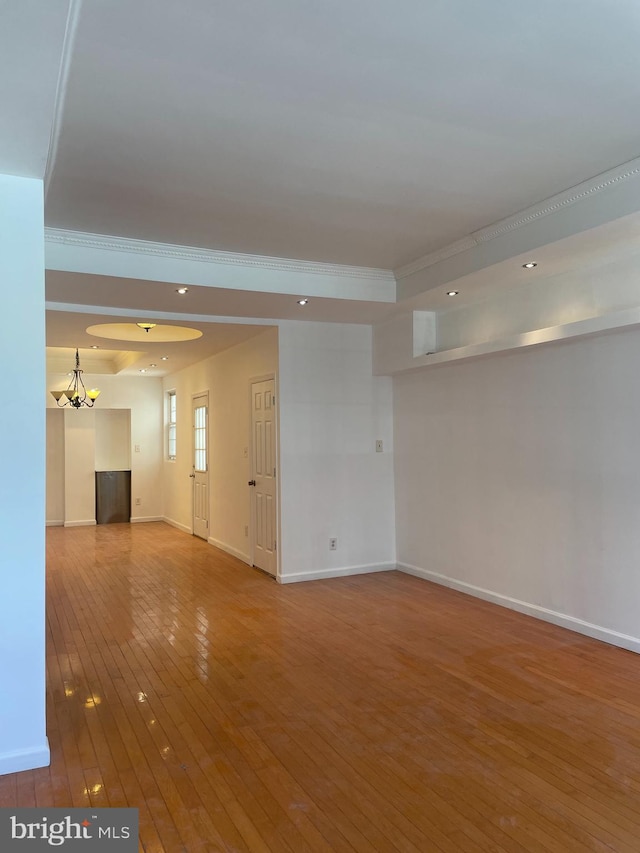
x=23, y=742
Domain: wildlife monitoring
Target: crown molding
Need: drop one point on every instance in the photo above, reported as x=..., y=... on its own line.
x=211, y=256
x=566, y=198
x=71, y=29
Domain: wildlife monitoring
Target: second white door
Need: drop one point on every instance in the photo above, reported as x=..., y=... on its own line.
x=263, y=479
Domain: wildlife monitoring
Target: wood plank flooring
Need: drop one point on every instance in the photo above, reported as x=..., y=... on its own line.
x=371, y=714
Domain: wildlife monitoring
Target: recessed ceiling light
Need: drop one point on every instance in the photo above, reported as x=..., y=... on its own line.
x=529, y=265
x=452, y=292
x=302, y=301
x=164, y=358
x=94, y=346
x=153, y=365
x=143, y=370
x=182, y=290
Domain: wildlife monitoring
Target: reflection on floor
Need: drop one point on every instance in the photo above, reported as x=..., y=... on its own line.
x=374, y=713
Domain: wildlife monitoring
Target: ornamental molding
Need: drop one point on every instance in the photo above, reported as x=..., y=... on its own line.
x=553, y=204
x=68, y=46
x=82, y=240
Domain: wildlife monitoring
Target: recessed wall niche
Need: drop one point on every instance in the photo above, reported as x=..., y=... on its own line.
x=79, y=443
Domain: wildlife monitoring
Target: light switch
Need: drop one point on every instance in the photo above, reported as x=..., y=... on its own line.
x=379, y=446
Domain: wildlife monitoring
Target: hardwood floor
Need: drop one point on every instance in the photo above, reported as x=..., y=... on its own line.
x=373, y=713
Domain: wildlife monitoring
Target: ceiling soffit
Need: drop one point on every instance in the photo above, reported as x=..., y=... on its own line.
x=74, y=251
x=588, y=205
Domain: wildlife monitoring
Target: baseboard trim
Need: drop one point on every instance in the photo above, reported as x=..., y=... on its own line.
x=89, y=522
x=26, y=759
x=229, y=549
x=55, y=523
x=176, y=524
x=345, y=571
x=563, y=620
x=145, y=519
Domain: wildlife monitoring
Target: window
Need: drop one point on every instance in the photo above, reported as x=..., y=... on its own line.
x=171, y=425
x=200, y=439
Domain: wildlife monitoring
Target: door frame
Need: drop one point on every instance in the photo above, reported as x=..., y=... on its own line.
x=252, y=521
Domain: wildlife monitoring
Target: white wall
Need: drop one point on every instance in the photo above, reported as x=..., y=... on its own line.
x=121, y=397
x=79, y=467
x=226, y=377
x=517, y=478
x=55, y=467
x=23, y=742
x=333, y=483
x=113, y=439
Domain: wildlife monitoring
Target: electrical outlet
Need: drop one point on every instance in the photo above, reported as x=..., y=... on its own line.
x=379, y=446
x=136, y=448
x=333, y=544
x=138, y=501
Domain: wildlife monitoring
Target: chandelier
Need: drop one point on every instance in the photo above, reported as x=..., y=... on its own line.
x=76, y=394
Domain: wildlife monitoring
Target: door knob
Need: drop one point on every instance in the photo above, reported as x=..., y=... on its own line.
x=251, y=483
x=193, y=476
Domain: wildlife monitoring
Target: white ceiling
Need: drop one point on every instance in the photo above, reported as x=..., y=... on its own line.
x=346, y=132
x=32, y=34
x=353, y=132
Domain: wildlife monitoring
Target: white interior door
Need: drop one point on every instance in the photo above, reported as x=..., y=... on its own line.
x=263, y=475
x=200, y=474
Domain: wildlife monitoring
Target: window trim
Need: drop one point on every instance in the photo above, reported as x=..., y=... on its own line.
x=172, y=425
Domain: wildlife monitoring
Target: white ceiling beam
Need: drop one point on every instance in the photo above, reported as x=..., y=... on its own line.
x=95, y=254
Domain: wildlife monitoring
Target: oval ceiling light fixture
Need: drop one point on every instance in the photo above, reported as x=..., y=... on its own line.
x=139, y=332
x=452, y=292
x=182, y=290
x=164, y=358
x=529, y=265
x=303, y=301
